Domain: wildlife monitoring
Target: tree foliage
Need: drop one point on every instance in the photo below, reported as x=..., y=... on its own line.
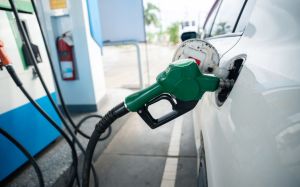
x=173, y=32
x=151, y=15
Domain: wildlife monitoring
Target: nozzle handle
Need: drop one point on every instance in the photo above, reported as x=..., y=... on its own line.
x=178, y=108
x=137, y=100
x=3, y=55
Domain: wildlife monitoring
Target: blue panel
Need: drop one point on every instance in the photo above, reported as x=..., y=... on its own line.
x=30, y=128
x=122, y=20
x=94, y=20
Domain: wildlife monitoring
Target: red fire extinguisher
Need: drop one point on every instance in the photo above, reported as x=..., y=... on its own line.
x=66, y=58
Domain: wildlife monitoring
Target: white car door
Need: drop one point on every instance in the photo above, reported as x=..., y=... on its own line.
x=220, y=30
x=251, y=134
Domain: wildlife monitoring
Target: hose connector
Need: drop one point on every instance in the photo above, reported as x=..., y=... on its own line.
x=5, y=62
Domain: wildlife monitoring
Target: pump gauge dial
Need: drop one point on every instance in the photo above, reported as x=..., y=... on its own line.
x=205, y=55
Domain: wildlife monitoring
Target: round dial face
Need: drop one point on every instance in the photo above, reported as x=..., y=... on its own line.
x=205, y=55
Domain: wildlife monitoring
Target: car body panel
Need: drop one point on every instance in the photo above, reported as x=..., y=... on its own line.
x=253, y=139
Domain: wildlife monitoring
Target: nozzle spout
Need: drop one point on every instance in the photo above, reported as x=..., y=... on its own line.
x=226, y=83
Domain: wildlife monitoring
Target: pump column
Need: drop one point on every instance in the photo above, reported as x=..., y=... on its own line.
x=85, y=92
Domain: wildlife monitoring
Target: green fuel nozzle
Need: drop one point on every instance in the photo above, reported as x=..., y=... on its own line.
x=182, y=84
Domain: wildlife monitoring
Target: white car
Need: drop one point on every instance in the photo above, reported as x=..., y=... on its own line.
x=250, y=136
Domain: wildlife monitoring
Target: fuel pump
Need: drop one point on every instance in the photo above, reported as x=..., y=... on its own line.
x=194, y=71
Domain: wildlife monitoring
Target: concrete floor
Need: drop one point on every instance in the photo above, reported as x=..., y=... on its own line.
x=137, y=155
x=134, y=155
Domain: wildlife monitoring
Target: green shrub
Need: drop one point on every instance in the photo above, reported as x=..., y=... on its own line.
x=173, y=32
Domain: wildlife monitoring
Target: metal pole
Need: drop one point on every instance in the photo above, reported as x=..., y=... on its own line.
x=138, y=51
x=147, y=63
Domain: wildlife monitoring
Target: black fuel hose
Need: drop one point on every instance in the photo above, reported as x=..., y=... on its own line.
x=83, y=120
x=115, y=113
x=33, y=60
x=18, y=82
x=62, y=101
x=27, y=154
x=26, y=40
